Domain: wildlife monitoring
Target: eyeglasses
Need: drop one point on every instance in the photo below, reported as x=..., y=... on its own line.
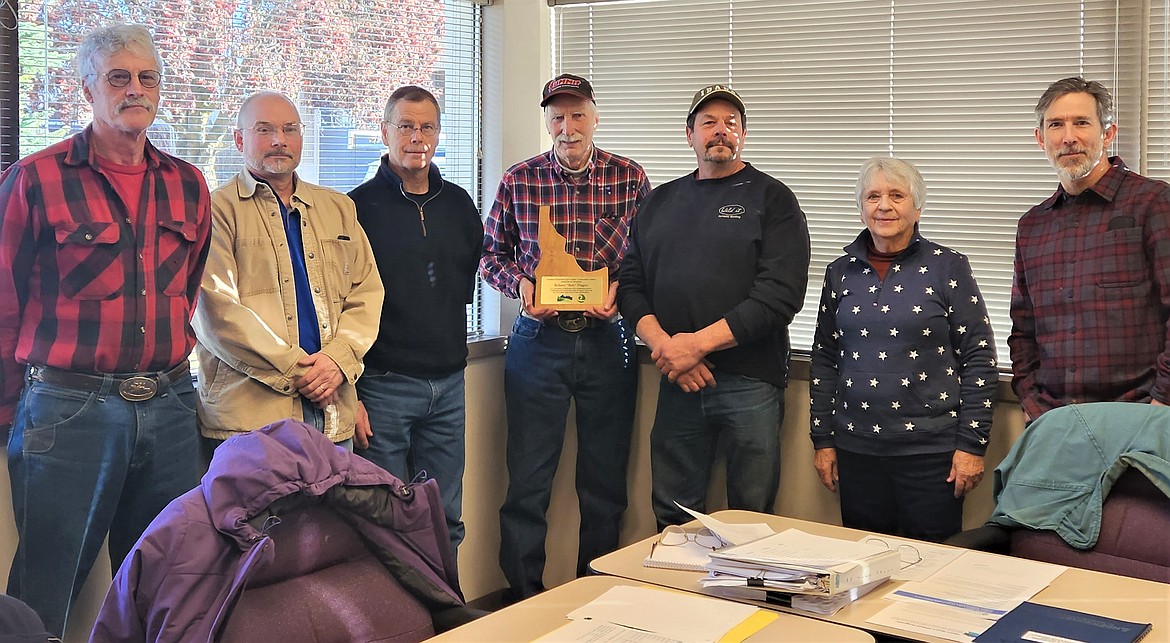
x=121, y=77
x=291, y=130
x=406, y=129
x=874, y=198
x=909, y=553
x=674, y=536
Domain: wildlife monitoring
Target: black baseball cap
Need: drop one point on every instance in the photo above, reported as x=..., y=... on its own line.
x=566, y=84
x=716, y=91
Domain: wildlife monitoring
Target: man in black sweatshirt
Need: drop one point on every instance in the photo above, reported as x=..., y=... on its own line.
x=426, y=235
x=716, y=269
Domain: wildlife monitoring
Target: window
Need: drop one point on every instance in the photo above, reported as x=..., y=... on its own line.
x=9, y=145
x=947, y=84
x=337, y=59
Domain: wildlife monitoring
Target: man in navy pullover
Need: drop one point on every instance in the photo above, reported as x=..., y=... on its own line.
x=716, y=269
x=426, y=235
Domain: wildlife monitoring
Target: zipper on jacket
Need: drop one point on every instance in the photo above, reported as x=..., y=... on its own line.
x=422, y=218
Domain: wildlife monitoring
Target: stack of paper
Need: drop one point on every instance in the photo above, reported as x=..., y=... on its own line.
x=646, y=615
x=795, y=562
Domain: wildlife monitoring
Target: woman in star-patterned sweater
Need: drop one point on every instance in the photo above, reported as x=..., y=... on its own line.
x=903, y=368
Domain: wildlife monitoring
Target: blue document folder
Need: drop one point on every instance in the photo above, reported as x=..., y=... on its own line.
x=1035, y=622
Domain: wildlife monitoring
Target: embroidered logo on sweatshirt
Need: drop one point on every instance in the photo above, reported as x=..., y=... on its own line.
x=733, y=211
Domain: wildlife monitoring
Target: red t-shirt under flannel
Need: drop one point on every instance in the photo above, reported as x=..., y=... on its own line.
x=1091, y=295
x=593, y=215
x=92, y=284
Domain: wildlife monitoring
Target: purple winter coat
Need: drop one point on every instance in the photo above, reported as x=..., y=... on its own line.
x=190, y=566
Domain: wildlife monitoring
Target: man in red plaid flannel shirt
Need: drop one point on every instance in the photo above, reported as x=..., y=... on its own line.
x=588, y=357
x=1091, y=295
x=103, y=239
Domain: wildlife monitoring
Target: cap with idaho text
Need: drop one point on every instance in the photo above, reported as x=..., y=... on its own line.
x=711, y=92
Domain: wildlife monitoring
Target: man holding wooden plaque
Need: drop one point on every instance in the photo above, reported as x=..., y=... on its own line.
x=554, y=239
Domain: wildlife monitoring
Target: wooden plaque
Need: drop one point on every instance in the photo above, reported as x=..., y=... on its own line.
x=561, y=283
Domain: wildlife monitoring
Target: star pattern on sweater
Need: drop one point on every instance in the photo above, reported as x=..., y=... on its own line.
x=926, y=302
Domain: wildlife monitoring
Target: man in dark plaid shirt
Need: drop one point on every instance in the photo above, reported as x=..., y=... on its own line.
x=102, y=241
x=1091, y=295
x=553, y=358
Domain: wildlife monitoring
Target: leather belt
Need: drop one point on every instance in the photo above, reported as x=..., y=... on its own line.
x=575, y=322
x=137, y=387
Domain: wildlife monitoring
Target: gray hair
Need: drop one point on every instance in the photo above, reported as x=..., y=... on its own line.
x=896, y=171
x=412, y=94
x=1077, y=85
x=106, y=41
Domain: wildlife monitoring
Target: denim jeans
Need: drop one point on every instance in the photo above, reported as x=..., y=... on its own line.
x=899, y=495
x=546, y=367
x=419, y=425
x=84, y=464
x=687, y=426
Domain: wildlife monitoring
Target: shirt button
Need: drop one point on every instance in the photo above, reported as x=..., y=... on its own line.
x=142, y=329
x=311, y=255
x=325, y=325
x=142, y=292
x=288, y=317
x=317, y=290
x=88, y=237
x=127, y=219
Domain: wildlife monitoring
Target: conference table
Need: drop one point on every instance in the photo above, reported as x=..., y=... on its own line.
x=1121, y=597
x=537, y=616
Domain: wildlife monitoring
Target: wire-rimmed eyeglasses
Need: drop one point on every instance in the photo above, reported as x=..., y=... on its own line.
x=406, y=129
x=121, y=77
x=675, y=535
x=908, y=553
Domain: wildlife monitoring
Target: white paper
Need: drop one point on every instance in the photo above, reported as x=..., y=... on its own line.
x=731, y=533
x=939, y=621
x=981, y=582
x=674, y=615
x=594, y=632
x=795, y=549
x=933, y=557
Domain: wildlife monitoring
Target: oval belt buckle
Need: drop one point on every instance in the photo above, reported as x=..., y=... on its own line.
x=137, y=388
x=572, y=323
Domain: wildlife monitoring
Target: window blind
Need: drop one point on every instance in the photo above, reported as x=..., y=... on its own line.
x=947, y=84
x=1157, y=140
x=337, y=59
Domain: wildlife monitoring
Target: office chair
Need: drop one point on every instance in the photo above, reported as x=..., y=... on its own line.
x=1086, y=486
x=289, y=539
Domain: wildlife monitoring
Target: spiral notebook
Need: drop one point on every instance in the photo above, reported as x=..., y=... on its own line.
x=690, y=556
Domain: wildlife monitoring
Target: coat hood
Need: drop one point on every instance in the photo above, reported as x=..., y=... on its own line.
x=277, y=461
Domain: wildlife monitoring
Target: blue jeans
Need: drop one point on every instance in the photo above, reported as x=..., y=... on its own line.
x=899, y=495
x=419, y=425
x=687, y=427
x=546, y=367
x=84, y=464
